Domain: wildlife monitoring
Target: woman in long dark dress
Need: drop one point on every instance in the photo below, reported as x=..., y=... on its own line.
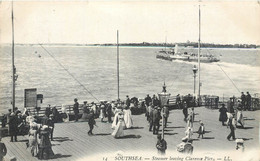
x=223, y=114
x=45, y=150
x=13, y=127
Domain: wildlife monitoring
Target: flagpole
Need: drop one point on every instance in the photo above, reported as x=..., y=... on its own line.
x=199, y=61
x=13, y=67
x=118, y=65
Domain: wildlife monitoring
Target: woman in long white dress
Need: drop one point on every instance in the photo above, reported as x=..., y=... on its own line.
x=117, y=111
x=128, y=118
x=119, y=129
x=102, y=113
x=115, y=118
x=190, y=118
x=33, y=142
x=188, y=133
x=240, y=118
x=65, y=115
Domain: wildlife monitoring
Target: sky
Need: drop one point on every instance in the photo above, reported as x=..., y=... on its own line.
x=88, y=22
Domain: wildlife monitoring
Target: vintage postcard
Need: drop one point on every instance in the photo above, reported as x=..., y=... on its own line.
x=130, y=80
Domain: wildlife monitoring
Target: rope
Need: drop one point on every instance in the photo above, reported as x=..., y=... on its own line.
x=69, y=73
x=226, y=74
x=229, y=78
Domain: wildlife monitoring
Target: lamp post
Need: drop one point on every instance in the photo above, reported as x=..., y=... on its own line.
x=194, y=69
x=164, y=99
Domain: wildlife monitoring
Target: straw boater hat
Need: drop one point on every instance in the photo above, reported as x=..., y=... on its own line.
x=44, y=127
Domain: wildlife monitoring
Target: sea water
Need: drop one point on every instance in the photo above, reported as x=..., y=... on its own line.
x=140, y=73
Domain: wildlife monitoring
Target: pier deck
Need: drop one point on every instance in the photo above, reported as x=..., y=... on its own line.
x=71, y=141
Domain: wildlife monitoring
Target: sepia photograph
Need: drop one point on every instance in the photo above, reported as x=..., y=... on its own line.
x=130, y=80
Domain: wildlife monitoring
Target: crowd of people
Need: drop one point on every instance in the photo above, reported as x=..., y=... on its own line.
x=233, y=117
x=156, y=112
x=119, y=110
x=40, y=129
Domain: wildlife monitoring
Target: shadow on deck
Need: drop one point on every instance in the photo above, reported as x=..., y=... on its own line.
x=130, y=137
x=62, y=139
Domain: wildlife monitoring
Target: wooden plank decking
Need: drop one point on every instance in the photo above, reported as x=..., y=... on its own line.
x=71, y=141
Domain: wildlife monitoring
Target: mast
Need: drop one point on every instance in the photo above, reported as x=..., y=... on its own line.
x=199, y=59
x=13, y=67
x=117, y=65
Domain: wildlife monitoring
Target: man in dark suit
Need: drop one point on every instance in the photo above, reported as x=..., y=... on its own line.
x=76, y=109
x=156, y=120
x=231, y=124
x=248, y=101
x=166, y=113
x=150, y=116
x=178, y=101
x=109, y=112
x=243, y=100
x=185, y=110
x=148, y=99
x=127, y=101
x=91, y=122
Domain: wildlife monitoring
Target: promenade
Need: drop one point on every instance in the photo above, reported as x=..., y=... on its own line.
x=71, y=141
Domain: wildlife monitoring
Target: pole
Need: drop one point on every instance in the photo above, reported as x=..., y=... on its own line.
x=13, y=67
x=163, y=113
x=194, y=84
x=163, y=127
x=117, y=65
x=199, y=59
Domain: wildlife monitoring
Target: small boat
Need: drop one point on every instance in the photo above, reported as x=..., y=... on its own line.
x=164, y=55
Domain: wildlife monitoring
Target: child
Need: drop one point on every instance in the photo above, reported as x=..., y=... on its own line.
x=161, y=145
x=201, y=130
x=240, y=145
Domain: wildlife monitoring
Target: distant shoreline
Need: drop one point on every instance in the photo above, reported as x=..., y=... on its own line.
x=156, y=45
